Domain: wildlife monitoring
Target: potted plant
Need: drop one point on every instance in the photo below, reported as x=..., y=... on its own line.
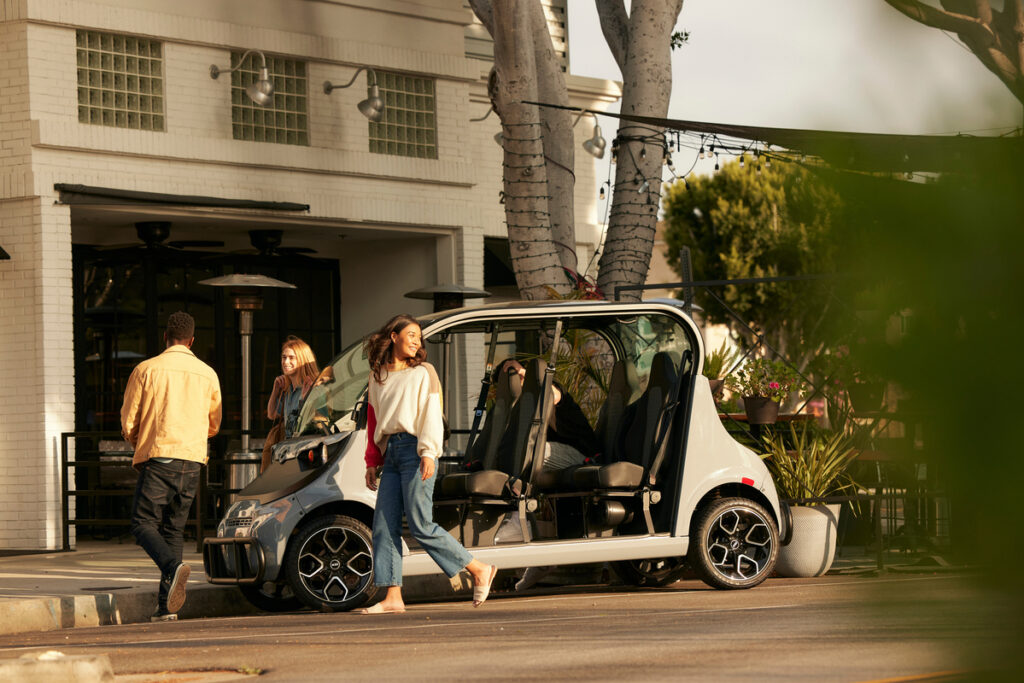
x=763, y=384
x=865, y=390
x=717, y=364
x=809, y=464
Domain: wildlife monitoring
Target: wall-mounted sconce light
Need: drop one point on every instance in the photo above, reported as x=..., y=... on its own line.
x=260, y=91
x=373, y=106
x=596, y=144
x=498, y=137
x=4, y=256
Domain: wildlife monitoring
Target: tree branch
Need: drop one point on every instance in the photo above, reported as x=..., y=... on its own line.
x=615, y=26
x=483, y=11
x=961, y=24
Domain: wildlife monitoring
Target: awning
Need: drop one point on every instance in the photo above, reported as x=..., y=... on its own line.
x=86, y=194
x=858, y=151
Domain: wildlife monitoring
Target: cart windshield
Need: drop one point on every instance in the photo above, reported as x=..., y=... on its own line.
x=333, y=397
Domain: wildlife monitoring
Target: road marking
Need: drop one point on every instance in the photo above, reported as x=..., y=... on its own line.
x=937, y=677
x=293, y=633
x=660, y=592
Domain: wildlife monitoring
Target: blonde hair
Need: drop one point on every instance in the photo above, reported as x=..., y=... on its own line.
x=307, y=368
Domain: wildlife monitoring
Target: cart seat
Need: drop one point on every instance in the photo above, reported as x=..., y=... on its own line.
x=510, y=455
x=640, y=422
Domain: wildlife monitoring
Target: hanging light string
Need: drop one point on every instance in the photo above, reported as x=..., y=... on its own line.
x=604, y=223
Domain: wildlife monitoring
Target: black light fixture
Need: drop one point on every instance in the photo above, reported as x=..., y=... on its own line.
x=260, y=91
x=373, y=106
x=4, y=256
x=499, y=139
x=594, y=146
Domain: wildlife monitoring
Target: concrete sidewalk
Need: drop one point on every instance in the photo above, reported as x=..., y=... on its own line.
x=100, y=583
x=111, y=582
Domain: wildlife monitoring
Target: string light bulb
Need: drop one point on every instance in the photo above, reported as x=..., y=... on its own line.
x=643, y=188
x=741, y=161
x=643, y=152
x=700, y=154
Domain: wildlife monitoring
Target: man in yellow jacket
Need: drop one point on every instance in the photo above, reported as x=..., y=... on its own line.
x=172, y=405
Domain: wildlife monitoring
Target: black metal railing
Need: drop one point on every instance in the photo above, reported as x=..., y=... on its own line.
x=100, y=474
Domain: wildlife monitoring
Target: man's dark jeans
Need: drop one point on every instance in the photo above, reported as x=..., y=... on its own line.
x=163, y=496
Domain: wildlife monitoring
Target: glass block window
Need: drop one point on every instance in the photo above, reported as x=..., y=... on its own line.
x=286, y=119
x=409, y=125
x=120, y=81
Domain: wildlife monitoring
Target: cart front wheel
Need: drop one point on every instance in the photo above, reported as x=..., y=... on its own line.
x=329, y=563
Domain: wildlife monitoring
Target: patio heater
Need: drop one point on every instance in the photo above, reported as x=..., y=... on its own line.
x=246, y=292
x=446, y=297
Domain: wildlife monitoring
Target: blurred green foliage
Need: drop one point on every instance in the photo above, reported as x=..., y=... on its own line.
x=745, y=223
x=946, y=254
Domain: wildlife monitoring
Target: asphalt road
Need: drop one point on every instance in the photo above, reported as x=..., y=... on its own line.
x=828, y=629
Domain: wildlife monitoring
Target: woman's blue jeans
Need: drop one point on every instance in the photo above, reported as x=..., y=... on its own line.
x=402, y=490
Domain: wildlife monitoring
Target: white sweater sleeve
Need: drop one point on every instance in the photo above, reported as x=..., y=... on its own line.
x=430, y=430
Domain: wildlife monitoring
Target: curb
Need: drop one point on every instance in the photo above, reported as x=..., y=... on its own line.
x=203, y=601
x=56, y=666
x=105, y=609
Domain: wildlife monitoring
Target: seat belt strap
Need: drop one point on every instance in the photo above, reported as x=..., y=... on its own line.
x=540, y=420
x=668, y=416
x=485, y=388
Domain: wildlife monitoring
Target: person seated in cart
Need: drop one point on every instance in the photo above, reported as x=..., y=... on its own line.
x=571, y=440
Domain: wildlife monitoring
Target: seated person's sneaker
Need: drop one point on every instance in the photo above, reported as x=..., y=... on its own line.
x=162, y=614
x=531, y=576
x=176, y=580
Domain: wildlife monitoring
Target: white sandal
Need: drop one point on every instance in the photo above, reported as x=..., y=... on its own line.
x=480, y=593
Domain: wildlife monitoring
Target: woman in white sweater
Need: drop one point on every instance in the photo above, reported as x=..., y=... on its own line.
x=405, y=434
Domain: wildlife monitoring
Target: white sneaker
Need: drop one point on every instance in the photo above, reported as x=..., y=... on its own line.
x=531, y=576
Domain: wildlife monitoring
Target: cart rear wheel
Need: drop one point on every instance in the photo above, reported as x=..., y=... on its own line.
x=734, y=543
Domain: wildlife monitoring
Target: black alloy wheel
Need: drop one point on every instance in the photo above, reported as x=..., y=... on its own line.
x=734, y=543
x=329, y=563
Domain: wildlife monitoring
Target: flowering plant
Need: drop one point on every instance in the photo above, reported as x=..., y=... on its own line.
x=763, y=377
x=843, y=371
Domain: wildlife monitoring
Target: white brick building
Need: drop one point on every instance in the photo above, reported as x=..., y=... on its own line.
x=116, y=95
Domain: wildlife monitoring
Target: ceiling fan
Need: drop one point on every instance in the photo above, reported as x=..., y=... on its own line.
x=154, y=234
x=268, y=243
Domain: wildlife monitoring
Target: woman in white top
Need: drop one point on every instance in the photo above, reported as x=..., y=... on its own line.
x=405, y=434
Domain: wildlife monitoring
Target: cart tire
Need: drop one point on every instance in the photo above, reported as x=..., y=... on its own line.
x=734, y=543
x=329, y=563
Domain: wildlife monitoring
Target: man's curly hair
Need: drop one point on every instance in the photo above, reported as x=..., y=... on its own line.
x=180, y=326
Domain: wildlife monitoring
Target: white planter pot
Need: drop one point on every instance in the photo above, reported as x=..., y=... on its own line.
x=813, y=547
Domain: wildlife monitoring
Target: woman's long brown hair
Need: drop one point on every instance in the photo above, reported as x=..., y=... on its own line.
x=380, y=348
x=305, y=359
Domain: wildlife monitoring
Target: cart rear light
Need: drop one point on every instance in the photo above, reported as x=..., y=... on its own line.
x=747, y=480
